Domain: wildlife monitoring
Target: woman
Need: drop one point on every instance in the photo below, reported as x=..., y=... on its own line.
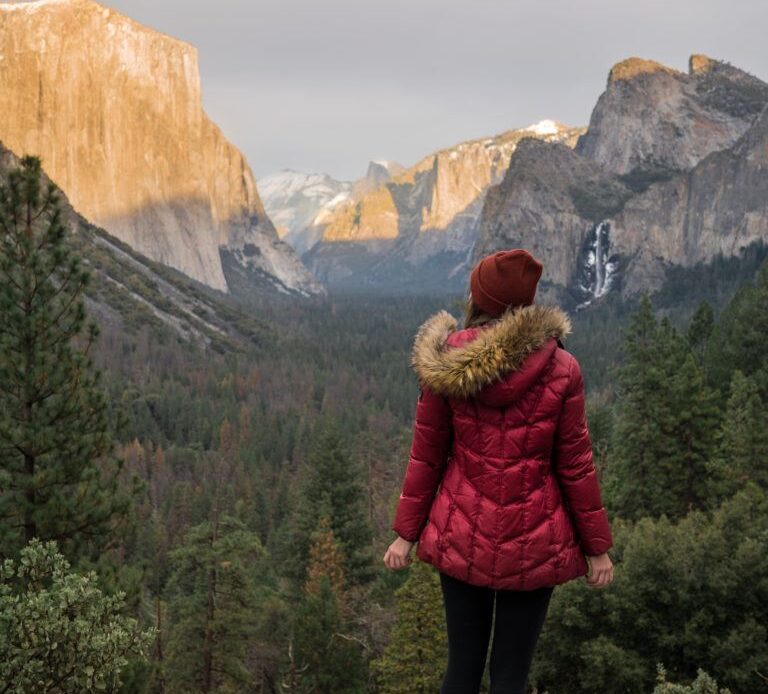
x=501, y=430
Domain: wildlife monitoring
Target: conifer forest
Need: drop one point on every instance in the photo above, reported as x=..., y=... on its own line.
x=177, y=518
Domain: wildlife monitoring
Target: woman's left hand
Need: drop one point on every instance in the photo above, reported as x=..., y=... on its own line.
x=396, y=556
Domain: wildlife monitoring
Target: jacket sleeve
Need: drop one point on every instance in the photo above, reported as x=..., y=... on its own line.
x=575, y=470
x=430, y=447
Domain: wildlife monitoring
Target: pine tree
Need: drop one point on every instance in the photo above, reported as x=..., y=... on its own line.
x=701, y=326
x=213, y=603
x=687, y=593
x=326, y=558
x=738, y=339
x=743, y=447
x=414, y=659
x=664, y=433
x=703, y=684
x=332, y=488
x=58, y=476
x=324, y=655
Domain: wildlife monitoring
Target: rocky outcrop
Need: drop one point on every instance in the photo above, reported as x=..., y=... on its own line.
x=418, y=229
x=550, y=200
x=616, y=213
x=719, y=207
x=378, y=173
x=656, y=119
x=114, y=110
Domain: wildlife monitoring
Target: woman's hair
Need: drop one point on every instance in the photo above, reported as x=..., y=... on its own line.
x=474, y=315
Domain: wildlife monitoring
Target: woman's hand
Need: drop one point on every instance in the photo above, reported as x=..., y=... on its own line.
x=396, y=556
x=600, y=570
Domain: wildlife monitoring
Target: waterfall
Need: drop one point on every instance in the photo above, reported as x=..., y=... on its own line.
x=599, y=265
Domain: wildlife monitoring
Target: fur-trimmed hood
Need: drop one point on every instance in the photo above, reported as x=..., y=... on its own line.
x=490, y=352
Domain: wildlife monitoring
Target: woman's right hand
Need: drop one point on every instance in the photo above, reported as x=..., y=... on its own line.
x=601, y=570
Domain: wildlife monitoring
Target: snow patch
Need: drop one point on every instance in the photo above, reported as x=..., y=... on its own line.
x=335, y=202
x=544, y=127
x=297, y=202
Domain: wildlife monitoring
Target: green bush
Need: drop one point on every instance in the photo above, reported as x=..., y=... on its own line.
x=58, y=631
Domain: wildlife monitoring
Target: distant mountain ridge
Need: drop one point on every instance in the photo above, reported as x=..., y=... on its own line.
x=293, y=199
x=415, y=231
x=300, y=203
x=669, y=173
x=114, y=110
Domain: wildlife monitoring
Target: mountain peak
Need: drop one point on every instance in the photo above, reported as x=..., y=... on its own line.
x=633, y=67
x=379, y=172
x=294, y=199
x=655, y=119
x=102, y=14
x=699, y=63
x=377, y=167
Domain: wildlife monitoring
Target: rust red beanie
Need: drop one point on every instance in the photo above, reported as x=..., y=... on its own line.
x=504, y=279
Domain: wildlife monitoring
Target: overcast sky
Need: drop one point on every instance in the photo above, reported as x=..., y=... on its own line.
x=327, y=85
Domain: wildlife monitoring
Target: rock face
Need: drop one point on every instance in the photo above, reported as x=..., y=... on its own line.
x=720, y=206
x=114, y=111
x=417, y=230
x=550, y=201
x=672, y=171
x=378, y=173
x=653, y=118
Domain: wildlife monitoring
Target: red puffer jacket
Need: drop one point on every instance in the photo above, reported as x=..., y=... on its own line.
x=500, y=488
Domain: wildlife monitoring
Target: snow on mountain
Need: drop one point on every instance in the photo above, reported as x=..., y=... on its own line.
x=294, y=199
x=546, y=127
x=417, y=227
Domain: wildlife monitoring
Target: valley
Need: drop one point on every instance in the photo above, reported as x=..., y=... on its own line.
x=249, y=378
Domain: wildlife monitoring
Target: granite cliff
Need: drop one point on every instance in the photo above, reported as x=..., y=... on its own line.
x=114, y=110
x=671, y=172
x=549, y=201
x=652, y=118
x=129, y=292
x=301, y=203
x=720, y=207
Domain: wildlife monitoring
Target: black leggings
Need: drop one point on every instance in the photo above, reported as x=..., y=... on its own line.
x=469, y=612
